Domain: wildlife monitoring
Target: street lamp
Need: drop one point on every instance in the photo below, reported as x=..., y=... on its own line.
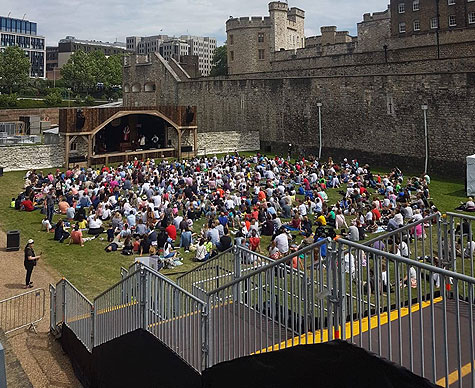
x=69, y=97
x=426, y=138
x=319, y=104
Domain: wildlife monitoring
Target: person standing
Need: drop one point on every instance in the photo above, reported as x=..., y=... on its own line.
x=30, y=262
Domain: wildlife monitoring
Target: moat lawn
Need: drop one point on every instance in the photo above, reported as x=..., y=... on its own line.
x=92, y=270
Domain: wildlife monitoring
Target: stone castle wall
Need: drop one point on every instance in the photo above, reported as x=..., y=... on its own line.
x=376, y=116
x=17, y=158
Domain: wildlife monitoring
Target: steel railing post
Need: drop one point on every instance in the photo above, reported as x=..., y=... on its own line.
x=205, y=356
x=143, y=298
x=63, y=304
x=331, y=270
x=3, y=369
x=342, y=290
x=52, y=308
x=93, y=318
x=238, y=255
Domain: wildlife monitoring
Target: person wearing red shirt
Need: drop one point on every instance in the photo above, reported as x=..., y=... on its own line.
x=261, y=196
x=171, y=231
x=255, y=242
x=27, y=205
x=376, y=213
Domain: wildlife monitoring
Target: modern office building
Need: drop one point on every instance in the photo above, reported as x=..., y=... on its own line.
x=176, y=47
x=204, y=48
x=145, y=45
x=52, y=68
x=69, y=45
x=23, y=33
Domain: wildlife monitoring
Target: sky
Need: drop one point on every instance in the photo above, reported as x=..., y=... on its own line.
x=111, y=20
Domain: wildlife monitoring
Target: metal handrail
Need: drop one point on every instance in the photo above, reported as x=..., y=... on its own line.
x=215, y=258
x=461, y=215
x=152, y=271
x=73, y=287
x=399, y=230
x=410, y=262
x=270, y=265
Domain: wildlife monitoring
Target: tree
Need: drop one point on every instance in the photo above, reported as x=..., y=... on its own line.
x=85, y=72
x=220, y=62
x=14, y=68
x=78, y=72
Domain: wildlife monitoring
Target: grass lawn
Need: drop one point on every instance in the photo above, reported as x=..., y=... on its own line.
x=92, y=270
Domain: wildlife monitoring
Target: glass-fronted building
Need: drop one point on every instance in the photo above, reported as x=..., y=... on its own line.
x=23, y=33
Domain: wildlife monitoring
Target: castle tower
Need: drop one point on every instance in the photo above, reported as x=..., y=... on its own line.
x=278, y=11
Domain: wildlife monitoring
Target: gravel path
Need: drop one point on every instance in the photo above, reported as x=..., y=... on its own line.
x=40, y=354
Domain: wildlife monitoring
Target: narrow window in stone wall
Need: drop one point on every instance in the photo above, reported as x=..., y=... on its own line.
x=452, y=21
x=260, y=37
x=73, y=146
x=390, y=105
x=232, y=55
x=231, y=39
x=417, y=25
x=402, y=28
x=415, y=5
x=261, y=54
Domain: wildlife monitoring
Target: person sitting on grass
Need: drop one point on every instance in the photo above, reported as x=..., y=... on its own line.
x=255, y=242
x=225, y=241
x=95, y=225
x=76, y=236
x=201, y=253
x=145, y=244
x=128, y=246
x=28, y=206
x=59, y=233
x=168, y=251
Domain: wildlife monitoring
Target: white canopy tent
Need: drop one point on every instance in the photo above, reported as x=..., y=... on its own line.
x=470, y=175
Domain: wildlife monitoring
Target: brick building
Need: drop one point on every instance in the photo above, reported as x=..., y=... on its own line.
x=413, y=17
x=251, y=42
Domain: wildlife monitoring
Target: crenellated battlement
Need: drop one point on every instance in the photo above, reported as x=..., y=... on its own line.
x=297, y=12
x=278, y=6
x=246, y=22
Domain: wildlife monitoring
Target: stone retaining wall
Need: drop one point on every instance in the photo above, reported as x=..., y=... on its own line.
x=27, y=157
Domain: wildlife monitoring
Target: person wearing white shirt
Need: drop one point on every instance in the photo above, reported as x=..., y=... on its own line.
x=398, y=218
x=303, y=209
x=282, y=242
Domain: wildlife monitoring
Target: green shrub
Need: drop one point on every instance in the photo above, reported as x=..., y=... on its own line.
x=53, y=98
x=8, y=100
x=89, y=100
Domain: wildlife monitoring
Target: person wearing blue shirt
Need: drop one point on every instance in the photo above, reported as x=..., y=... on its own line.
x=223, y=220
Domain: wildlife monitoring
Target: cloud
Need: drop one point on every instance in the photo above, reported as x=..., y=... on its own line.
x=108, y=20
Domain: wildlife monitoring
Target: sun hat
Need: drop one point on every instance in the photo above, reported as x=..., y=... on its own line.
x=30, y=241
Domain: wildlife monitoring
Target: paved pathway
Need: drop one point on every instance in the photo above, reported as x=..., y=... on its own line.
x=40, y=355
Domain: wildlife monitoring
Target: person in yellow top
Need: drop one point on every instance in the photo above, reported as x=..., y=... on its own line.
x=321, y=219
x=82, y=224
